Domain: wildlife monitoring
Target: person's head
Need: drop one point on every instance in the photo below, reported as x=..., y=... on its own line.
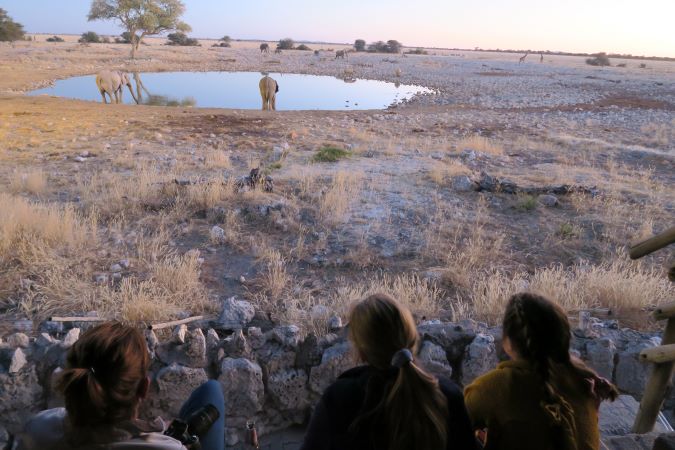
x=413, y=411
x=535, y=328
x=106, y=375
x=538, y=331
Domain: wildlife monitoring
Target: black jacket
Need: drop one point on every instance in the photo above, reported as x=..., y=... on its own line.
x=345, y=399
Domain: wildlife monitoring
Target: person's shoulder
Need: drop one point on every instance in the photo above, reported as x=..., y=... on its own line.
x=350, y=380
x=449, y=388
x=45, y=430
x=149, y=441
x=503, y=373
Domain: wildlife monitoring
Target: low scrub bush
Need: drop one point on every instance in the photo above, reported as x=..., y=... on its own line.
x=417, y=51
x=303, y=47
x=599, y=59
x=89, y=37
x=181, y=39
x=330, y=154
x=55, y=39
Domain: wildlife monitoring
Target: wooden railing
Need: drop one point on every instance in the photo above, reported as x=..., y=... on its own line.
x=663, y=356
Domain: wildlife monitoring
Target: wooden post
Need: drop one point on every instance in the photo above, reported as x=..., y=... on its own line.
x=655, y=390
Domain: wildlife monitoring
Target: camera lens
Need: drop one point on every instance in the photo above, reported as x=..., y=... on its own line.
x=201, y=420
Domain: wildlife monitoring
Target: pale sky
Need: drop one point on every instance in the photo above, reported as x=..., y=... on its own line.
x=644, y=27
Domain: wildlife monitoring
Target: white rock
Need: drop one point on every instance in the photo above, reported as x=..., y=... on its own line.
x=71, y=337
x=18, y=361
x=217, y=234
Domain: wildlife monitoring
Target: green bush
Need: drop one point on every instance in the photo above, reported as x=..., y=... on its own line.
x=181, y=39
x=286, y=44
x=10, y=30
x=527, y=203
x=360, y=45
x=303, y=47
x=89, y=38
x=391, y=46
x=599, y=59
x=55, y=39
x=330, y=154
x=417, y=51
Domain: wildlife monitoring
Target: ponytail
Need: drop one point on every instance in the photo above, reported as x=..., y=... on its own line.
x=416, y=411
x=104, y=372
x=410, y=411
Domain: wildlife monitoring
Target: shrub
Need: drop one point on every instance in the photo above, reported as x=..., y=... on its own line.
x=599, y=59
x=226, y=39
x=9, y=30
x=55, y=39
x=181, y=39
x=527, y=203
x=330, y=154
x=391, y=46
x=89, y=37
x=417, y=51
x=643, y=66
x=360, y=45
x=303, y=47
x=125, y=38
x=286, y=44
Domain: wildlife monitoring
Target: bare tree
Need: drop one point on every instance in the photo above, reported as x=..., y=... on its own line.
x=141, y=17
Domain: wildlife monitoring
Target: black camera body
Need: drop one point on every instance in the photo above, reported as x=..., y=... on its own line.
x=197, y=424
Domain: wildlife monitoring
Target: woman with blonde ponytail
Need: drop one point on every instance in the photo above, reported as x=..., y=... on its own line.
x=542, y=399
x=390, y=403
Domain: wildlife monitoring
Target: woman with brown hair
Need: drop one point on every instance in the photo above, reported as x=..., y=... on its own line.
x=390, y=403
x=542, y=399
x=104, y=382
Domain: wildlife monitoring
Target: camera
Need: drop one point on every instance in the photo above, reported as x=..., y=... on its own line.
x=196, y=424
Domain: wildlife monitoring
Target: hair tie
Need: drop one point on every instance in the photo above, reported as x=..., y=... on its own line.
x=402, y=358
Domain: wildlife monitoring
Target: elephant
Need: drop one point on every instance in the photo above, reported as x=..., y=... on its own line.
x=264, y=48
x=277, y=51
x=112, y=82
x=341, y=54
x=268, y=91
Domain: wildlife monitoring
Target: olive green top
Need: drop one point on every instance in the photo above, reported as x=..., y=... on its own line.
x=507, y=401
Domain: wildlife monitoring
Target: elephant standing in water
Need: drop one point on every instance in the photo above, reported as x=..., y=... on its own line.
x=268, y=91
x=112, y=82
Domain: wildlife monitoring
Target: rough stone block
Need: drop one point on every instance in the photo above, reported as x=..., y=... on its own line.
x=242, y=384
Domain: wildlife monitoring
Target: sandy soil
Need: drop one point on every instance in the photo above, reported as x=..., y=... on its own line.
x=393, y=212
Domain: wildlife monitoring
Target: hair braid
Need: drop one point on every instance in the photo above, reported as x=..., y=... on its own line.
x=559, y=411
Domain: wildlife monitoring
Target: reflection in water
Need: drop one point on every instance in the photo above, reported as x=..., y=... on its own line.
x=158, y=100
x=163, y=100
x=241, y=90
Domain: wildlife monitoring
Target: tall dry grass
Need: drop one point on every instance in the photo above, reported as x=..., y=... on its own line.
x=481, y=144
x=338, y=197
x=32, y=182
x=619, y=284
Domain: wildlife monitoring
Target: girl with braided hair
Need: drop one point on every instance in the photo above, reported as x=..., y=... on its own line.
x=390, y=402
x=543, y=398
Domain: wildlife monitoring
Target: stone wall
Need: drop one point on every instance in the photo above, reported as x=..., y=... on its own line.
x=273, y=374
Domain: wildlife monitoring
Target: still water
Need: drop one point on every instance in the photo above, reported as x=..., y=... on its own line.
x=240, y=90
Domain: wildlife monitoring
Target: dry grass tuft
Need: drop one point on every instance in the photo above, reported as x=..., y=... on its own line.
x=341, y=192
x=275, y=279
x=620, y=284
x=442, y=173
x=218, y=159
x=481, y=144
x=33, y=182
x=53, y=226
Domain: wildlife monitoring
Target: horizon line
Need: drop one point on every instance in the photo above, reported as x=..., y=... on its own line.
x=475, y=49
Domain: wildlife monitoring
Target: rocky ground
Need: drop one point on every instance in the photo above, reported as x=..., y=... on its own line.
x=510, y=176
